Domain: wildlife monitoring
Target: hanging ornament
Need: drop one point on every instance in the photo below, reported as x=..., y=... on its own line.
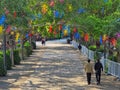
x=104, y=37
x=61, y=1
x=1, y=29
x=50, y=29
x=44, y=8
x=60, y=27
x=101, y=40
x=75, y=30
x=56, y=14
x=2, y=19
x=27, y=35
x=12, y=33
x=52, y=3
x=8, y=29
x=86, y=37
x=76, y=35
x=70, y=7
x=113, y=41
x=65, y=32
x=81, y=10
x=30, y=34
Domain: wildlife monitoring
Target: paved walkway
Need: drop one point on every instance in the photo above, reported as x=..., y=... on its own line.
x=56, y=66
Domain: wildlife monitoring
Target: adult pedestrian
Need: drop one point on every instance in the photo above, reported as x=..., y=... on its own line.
x=89, y=71
x=98, y=68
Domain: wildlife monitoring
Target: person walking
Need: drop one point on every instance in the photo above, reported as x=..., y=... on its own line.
x=89, y=71
x=98, y=68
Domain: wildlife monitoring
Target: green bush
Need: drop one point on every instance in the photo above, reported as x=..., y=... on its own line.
x=16, y=57
x=92, y=47
x=3, y=71
x=28, y=48
x=8, y=60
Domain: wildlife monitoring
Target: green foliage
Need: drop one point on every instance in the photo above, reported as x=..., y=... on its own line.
x=33, y=45
x=92, y=47
x=3, y=72
x=28, y=48
x=16, y=57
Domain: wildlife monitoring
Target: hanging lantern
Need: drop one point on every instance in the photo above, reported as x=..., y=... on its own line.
x=65, y=32
x=52, y=3
x=1, y=29
x=86, y=37
x=113, y=41
x=75, y=30
x=60, y=27
x=50, y=29
x=70, y=7
x=44, y=8
x=61, y=1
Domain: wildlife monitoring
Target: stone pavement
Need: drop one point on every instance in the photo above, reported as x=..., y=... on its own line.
x=56, y=66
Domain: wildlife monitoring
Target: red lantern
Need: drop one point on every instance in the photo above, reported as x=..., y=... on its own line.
x=60, y=27
x=113, y=41
x=75, y=30
x=30, y=34
x=50, y=29
x=86, y=37
x=52, y=3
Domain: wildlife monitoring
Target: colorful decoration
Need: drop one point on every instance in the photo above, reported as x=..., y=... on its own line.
x=118, y=35
x=65, y=32
x=70, y=8
x=8, y=29
x=76, y=35
x=50, y=29
x=60, y=27
x=86, y=37
x=61, y=1
x=44, y=8
x=113, y=41
x=101, y=40
x=30, y=34
x=81, y=10
x=17, y=36
x=1, y=29
x=104, y=37
x=27, y=35
x=56, y=14
x=52, y=3
x=75, y=29
x=2, y=19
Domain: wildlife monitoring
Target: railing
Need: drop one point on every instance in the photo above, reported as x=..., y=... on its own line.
x=109, y=66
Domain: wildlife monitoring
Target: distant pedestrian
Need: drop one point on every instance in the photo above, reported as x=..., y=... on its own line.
x=89, y=71
x=79, y=47
x=43, y=41
x=98, y=68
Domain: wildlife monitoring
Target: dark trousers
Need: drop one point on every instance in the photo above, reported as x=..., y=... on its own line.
x=89, y=78
x=98, y=77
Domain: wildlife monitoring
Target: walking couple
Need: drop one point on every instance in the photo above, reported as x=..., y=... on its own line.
x=89, y=70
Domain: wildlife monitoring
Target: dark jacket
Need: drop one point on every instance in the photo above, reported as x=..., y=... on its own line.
x=98, y=67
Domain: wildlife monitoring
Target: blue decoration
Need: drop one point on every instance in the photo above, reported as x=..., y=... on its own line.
x=27, y=35
x=2, y=19
x=105, y=1
x=56, y=14
x=81, y=10
x=39, y=15
x=101, y=41
x=76, y=35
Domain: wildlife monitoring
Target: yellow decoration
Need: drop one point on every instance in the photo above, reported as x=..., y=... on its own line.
x=44, y=8
x=1, y=29
x=65, y=32
x=12, y=33
x=70, y=7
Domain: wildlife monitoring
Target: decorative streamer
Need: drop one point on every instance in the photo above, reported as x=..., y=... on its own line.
x=113, y=41
x=65, y=32
x=50, y=29
x=101, y=41
x=76, y=35
x=1, y=29
x=44, y=8
x=56, y=14
x=2, y=19
x=52, y=3
x=8, y=29
x=86, y=37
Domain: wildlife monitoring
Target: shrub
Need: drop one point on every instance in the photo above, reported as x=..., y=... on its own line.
x=3, y=71
x=92, y=47
x=16, y=57
x=28, y=48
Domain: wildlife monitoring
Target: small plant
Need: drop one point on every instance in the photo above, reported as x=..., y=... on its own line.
x=92, y=47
